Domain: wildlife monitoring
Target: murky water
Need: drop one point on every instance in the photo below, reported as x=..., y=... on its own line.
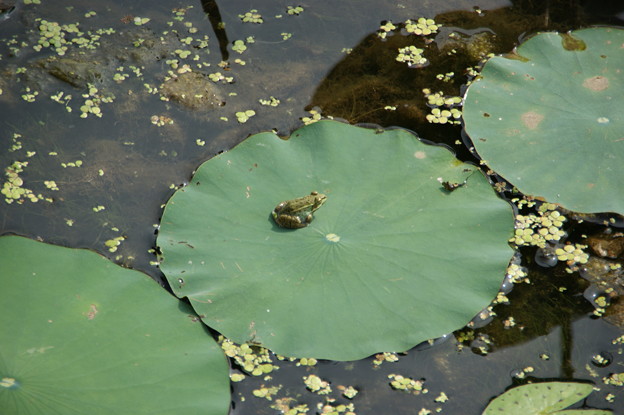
x=114, y=173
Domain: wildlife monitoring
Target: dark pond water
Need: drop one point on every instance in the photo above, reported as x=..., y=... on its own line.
x=115, y=172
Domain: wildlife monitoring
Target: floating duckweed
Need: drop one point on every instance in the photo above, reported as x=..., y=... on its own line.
x=385, y=28
x=349, y=392
x=521, y=374
x=412, y=56
x=441, y=398
x=92, y=102
x=271, y=102
x=139, y=21
x=406, y=384
x=286, y=36
x=283, y=405
x=537, y=230
x=90, y=14
x=50, y=184
x=421, y=27
x=252, y=16
x=449, y=114
x=59, y=37
x=32, y=1
x=294, y=11
x=438, y=99
x=509, y=322
x=69, y=222
x=200, y=143
x=77, y=163
x=266, y=393
x=445, y=77
x=328, y=408
x=438, y=116
x=317, y=385
x=572, y=254
x=385, y=357
x=183, y=54
x=17, y=145
x=254, y=360
x=237, y=377
x=307, y=362
x=29, y=96
x=12, y=188
x=113, y=244
x=99, y=208
x=161, y=120
x=517, y=274
x=315, y=116
x=615, y=379
x=120, y=77
x=61, y=98
x=239, y=46
x=219, y=77
x=244, y=116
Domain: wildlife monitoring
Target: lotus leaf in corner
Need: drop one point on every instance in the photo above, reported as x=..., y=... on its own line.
x=81, y=335
x=543, y=398
x=391, y=258
x=549, y=119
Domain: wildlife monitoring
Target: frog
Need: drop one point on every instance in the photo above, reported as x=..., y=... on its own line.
x=297, y=213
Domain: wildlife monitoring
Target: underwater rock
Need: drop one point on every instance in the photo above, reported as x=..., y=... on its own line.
x=192, y=90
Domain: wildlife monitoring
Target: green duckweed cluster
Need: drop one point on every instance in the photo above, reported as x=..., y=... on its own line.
x=572, y=254
x=254, y=360
x=422, y=26
x=385, y=28
x=329, y=408
x=266, y=392
x=317, y=385
x=407, y=384
x=538, y=229
x=443, y=109
x=13, y=188
x=385, y=357
x=59, y=38
x=251, y=16
x=412, y=56
x=517, y=273
x=294, y=10
x=92, y=101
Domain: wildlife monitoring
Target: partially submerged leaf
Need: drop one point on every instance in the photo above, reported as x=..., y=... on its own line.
x=391, y=259
x=549, y=118
x=81, y=335
x=541, y=399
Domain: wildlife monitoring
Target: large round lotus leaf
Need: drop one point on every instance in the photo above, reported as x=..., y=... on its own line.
x=80, y=335
x=549, y=118
x=391, y=259
x=541, y=399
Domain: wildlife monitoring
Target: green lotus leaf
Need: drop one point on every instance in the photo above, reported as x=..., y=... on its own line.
x=549, y=118
x=81, y=335
x=541, y=399
x=390, y=260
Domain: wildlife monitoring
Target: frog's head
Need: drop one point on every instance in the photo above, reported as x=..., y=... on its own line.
x=319, y=199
